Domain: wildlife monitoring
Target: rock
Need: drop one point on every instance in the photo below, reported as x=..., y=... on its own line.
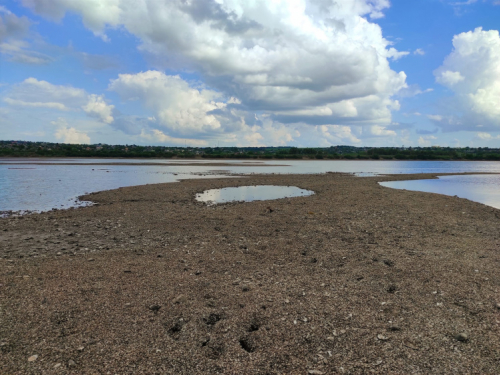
x=498, y=306
x=315, y=372
x=463, y=337
x=33, y=358
x=80, y=348
x=154, y=308
x=179, y=299
x=382, y=337
x=91, y=259
x=71, y=363
x=57, y=365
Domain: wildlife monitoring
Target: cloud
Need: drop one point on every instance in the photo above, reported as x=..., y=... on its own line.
x=12, y=26
x=435, y=117
x=13, y=31
x=472, y=73
x=22, y=103
x=310, y=61
x=179, y=107
x=158, y=136
x=425, y=141
x=470, y=2
x=486, y=136
x=69, y=135
x=39, y=93
x=419, y=51
x=97, y=62
x=36, y=93
x=449, y=78
x=97, y=107
x=380, y=131
x=426, y=132
x=413, y=90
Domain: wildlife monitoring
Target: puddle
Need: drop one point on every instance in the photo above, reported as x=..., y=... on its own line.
x=251, y=193
x=477, y=188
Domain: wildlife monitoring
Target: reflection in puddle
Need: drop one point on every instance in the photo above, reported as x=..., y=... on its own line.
x=251, y=193
x=478, y=188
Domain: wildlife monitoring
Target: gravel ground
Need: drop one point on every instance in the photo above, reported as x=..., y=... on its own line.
x=355, y=279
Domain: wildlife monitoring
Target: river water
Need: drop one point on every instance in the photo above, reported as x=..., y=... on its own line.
x=43, y=184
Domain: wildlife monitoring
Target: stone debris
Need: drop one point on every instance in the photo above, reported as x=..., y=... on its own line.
x=374, y=274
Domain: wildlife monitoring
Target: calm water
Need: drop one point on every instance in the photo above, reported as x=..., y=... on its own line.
x=479, y=188
x=34, y=184
x=251, y=193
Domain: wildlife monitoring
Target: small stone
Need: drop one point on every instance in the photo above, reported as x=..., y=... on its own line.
x=498, y=306
x=71, y=363
x=463, y=337
x=394, y=328
x=382, y=337
x=33, y=358
x=154, y=308
x=57, y=365
x=91, y=259
x=179, y=299
x=80, y=348
x=315, y=372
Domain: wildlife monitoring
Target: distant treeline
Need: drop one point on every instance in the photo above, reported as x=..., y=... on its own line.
x=45, y=149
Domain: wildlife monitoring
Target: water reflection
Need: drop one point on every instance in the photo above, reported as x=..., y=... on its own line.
x=478, y=188
x=35, y=184
x=251, y=193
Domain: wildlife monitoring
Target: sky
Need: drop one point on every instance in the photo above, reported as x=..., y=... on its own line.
x=205, y=73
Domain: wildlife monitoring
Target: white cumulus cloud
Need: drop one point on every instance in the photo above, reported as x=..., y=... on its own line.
x=69, y=134
x=177, y=106
x=34, y=93
x=317, y=62
x=472, y=72
x=97, y=107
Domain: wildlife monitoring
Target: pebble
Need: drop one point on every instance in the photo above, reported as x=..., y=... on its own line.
x=179, y=299
x=71, y=363
x=57, y=365
x=498, y=306
x=462, y=337
x=33, y=358
x=80, y=348
x=382, y=337
x=90, y=259
x=315, y=372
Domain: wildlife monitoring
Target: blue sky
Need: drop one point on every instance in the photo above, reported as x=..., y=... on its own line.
x=235, y=72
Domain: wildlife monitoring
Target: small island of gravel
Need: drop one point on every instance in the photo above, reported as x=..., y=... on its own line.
x=356, y=278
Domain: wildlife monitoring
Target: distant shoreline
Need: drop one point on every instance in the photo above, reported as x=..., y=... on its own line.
x=209, y=162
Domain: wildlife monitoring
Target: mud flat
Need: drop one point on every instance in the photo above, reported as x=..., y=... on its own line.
x=357, y=278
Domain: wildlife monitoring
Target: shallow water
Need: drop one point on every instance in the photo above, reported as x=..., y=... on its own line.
x=34, y=184
x=251, y=193
x=478, y=188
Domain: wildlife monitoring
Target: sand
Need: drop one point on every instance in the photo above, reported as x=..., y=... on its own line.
x=358, y=278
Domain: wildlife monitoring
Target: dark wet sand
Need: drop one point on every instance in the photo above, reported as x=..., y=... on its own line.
x=355, y=279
